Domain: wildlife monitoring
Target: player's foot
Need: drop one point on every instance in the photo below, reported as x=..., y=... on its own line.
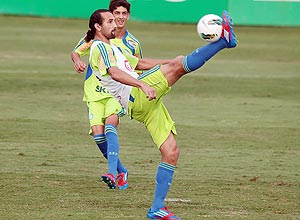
x=123, y=180
x=227, y=32
x=162, y=213
x=109, y=179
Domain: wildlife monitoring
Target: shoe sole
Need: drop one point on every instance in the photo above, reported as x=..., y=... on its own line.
x=233, y=41
x=108, y=181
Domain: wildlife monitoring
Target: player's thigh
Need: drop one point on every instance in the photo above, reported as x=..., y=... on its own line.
x=113, y=107
x=156, y=79
x=160, y=124
x=96, y=113
x=113, y=112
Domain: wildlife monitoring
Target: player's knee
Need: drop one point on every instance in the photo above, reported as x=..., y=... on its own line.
x=179, y=58
x=176, y=61
x=177, y=65
x=169, y=150
x=175, y=153
x=172, y=155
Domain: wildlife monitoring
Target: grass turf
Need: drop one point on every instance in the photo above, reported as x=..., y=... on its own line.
x=238, y=120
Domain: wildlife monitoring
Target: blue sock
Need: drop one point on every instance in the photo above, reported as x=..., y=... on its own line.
x=100, y=140
x=164, y=179
x=199, y=56
x=112, y=148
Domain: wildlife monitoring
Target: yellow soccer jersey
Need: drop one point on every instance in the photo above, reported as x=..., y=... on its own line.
x=110, y=55
x=130, y=47
x=102, y=57
x=82, y=47
x=129, y=44
x=93, y=90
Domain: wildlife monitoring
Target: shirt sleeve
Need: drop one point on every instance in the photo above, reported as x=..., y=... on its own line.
x=82, y=47
x=103, y=58
x=138, y=50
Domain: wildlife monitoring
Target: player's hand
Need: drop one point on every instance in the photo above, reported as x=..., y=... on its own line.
x=149, y=91
x=79, y=66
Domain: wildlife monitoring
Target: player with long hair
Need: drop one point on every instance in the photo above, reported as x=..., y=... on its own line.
x=109, y=64
x=129, y=44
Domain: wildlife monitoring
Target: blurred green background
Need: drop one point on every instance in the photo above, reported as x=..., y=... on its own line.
x=245, y=12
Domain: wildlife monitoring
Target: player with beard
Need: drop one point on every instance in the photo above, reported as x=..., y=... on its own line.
x=111, y=66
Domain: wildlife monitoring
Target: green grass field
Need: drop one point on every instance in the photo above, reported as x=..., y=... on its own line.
x=238, y=122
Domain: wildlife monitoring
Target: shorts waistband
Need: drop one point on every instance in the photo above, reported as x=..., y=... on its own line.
x=148, y=72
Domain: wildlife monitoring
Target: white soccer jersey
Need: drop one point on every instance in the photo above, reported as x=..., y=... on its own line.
x=120, y=91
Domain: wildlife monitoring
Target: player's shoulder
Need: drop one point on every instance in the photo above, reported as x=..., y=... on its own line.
x=101, y=45
x=130, y=36
x=99, y=42
x=82, y=47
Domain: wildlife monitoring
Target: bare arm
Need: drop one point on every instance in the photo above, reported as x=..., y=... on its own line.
x=124, y=78
x=146, y=64
x=79, y=65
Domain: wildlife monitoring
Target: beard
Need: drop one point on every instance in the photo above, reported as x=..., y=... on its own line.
x=112, y=35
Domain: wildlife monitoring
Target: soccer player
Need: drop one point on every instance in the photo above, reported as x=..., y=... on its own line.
x=111, y=66
x=130, y=46
x=128, y=43
x=104, y=112
x=123, y=38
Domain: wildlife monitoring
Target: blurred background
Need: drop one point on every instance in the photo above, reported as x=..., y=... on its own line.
x=245, y=12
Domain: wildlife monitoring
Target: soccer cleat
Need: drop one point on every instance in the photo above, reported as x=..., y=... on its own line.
x=109, y=179
x=227, y=30
x=123, y=180
x=162, y=213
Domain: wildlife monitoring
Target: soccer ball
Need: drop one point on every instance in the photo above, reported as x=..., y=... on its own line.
x=209, y=27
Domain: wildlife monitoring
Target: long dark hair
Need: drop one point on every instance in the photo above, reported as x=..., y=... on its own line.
x=96, y=17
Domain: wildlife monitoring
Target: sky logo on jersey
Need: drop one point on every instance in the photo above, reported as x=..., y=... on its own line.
x=101, y=89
